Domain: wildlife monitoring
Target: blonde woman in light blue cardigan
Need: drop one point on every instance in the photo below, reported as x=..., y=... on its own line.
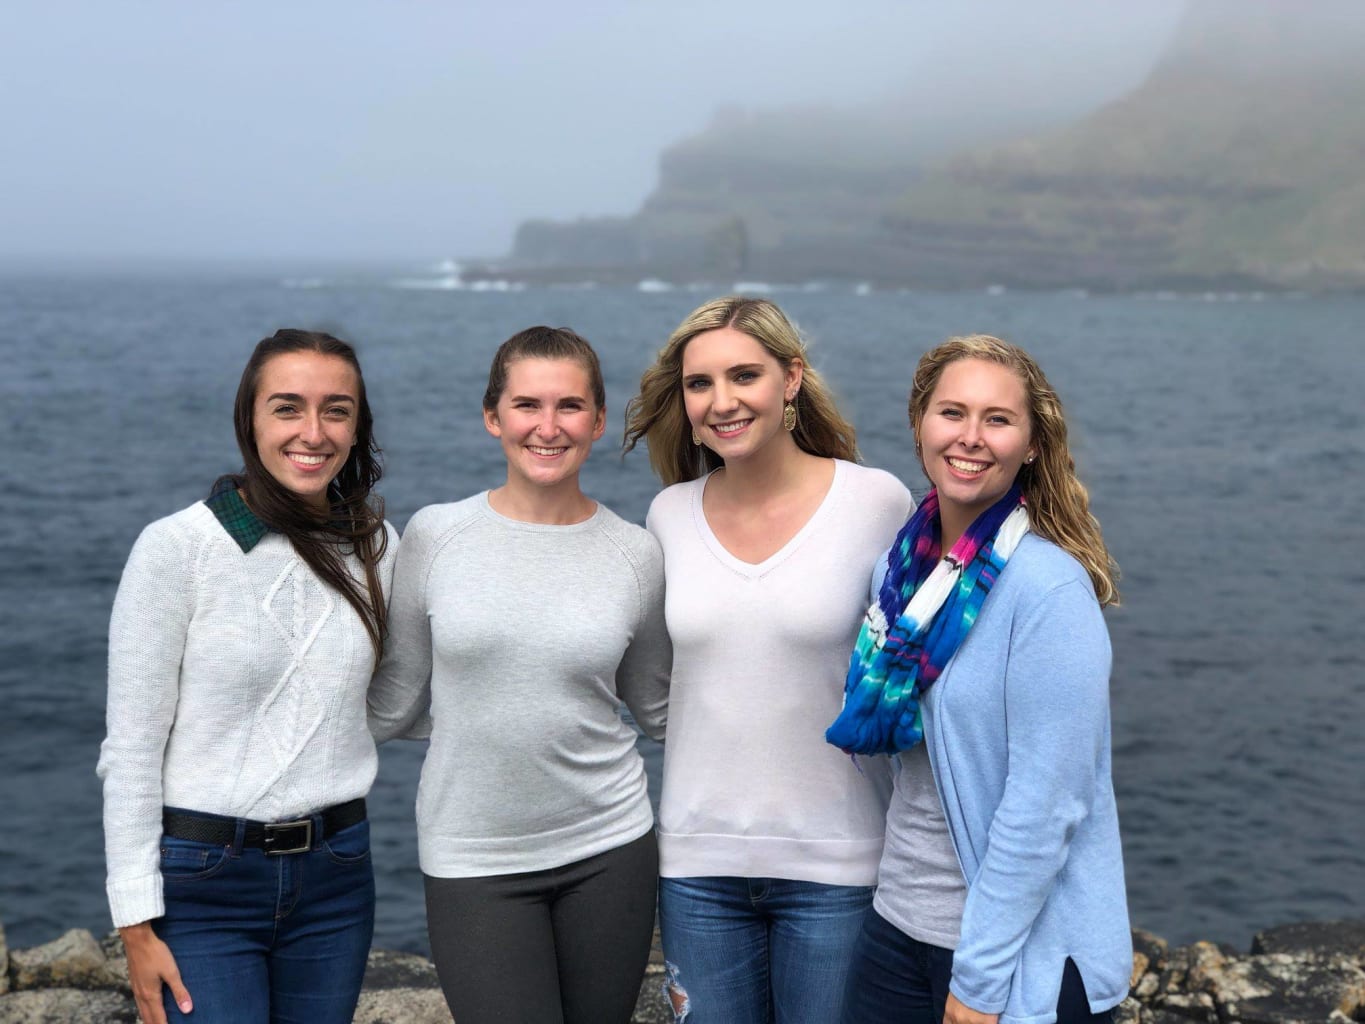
x=1001, y=891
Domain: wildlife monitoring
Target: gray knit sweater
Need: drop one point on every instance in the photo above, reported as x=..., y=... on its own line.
x=523, y=639
x=236, y=686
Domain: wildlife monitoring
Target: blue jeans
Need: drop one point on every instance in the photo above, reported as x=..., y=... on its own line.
x=758, y=950
x=896, y=979
x=262, y=939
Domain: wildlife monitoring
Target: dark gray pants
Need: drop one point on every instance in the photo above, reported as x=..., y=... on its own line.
x=567, y=945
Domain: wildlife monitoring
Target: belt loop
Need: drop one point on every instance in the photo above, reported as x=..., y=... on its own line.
x=238, y=837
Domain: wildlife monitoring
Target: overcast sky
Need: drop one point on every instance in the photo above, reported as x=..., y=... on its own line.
x=412, y=131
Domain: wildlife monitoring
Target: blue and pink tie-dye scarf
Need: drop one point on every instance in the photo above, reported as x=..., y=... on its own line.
x=922, y=613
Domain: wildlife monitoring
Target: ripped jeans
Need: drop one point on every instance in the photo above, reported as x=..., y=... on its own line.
x=758, y=950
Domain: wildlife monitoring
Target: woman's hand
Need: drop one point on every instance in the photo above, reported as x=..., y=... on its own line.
x=150, y=965
x=956, y=1012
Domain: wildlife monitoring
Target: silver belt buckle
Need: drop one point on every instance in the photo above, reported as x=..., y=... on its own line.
x=273, y=835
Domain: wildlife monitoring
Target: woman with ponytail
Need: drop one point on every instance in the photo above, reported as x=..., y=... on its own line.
x=984, y=664
x=244, y=634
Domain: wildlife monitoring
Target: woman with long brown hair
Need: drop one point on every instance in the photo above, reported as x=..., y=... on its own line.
x=984, y=664
x=768, y=837
x=244, y=634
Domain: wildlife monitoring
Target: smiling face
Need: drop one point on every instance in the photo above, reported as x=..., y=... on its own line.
x=974, y=437
x=304, y=420
x=734, y=391
x=546, y=420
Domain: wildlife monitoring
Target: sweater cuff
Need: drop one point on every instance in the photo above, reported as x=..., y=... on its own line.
x=979, y=996
x=135, y=900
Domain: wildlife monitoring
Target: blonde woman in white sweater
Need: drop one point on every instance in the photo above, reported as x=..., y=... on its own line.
x=243, y=636
x=768, y=838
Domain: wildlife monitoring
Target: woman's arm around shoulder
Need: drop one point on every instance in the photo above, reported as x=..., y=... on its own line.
x=642, y=679
x=400, y=692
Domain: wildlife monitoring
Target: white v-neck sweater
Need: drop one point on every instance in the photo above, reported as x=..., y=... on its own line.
x=237, y=686
x=760, y=653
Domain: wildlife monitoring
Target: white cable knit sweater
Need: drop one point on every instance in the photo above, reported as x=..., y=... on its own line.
x=236, y=686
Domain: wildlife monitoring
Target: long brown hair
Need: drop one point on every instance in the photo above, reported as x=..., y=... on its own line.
x=1058, y=504
x=658, y=416
x=355, y=518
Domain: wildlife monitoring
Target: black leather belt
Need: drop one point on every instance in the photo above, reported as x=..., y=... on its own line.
x=273, y=837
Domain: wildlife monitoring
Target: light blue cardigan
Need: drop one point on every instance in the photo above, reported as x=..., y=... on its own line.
x=1017, y=728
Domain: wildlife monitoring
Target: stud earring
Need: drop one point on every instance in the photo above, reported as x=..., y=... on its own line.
x=695, y=439
x=1029, y=460
x=789, y=416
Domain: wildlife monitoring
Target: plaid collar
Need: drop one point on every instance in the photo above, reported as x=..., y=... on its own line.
x=238, y=520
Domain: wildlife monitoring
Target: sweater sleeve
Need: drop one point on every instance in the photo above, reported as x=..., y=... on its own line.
x=643, y=675
x=399, y=698
x=1056, y=719
x=147, y=633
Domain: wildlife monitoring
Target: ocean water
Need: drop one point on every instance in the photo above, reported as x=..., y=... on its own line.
x=1222, y=438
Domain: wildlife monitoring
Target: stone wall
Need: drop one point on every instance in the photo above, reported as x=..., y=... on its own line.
x=1293, y=974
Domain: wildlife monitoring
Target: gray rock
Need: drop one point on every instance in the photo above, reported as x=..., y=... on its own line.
x=73, y=961
x=401, y=988
x=1149, y=957
x=1153, y=947
x=1178, y=963
x=385, y=971
x=652, y=1006
x=4, y=962
x=402, y=1006
x=1183, y=1007
x=1147, y=987
x=1277, y=988
x=1161, y=1015
x=1128, y=1012
x=67, y=1006
x=112, y=944
x=1323, y=938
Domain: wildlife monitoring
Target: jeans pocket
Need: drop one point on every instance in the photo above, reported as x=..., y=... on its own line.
x=351, y=845
x=184, y=860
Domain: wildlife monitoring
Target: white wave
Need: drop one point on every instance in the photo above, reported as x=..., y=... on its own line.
x=429, y=284
x=653, y=284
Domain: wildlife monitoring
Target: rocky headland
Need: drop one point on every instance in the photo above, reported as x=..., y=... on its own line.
x=1236, y=164
x=1306, y=973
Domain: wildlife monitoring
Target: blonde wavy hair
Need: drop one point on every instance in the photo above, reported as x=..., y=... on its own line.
x=658, y=416
x=1058, y=504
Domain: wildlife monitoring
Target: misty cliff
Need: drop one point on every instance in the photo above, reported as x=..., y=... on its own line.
x=786, y=193
x=1239, y=162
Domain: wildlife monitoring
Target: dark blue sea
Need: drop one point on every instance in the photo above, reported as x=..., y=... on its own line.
x=1222, y=438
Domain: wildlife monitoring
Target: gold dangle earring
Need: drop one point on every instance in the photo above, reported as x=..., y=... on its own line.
x=789, y=414
x=695, y=439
